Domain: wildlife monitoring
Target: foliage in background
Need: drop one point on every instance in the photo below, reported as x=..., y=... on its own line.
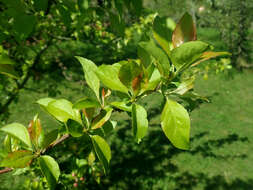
x=162, y=61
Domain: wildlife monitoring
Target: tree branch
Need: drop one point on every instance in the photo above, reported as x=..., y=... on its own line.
x=58, y=141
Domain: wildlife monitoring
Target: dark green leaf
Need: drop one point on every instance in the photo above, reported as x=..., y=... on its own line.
x=83, y=5
x=139, y=122
x=40, y=5
x=162, y=33
x=175, y=123
x=49, y=138
x=185, y=31
x=102, y=150
x=75, y=129
x=8, y=70
x=50, y=170
x=18, y=131
x=23, y=25
x=17, y=159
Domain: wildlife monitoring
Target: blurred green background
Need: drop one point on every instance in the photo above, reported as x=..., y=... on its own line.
x=220, y=157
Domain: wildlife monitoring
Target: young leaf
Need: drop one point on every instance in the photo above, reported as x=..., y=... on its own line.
x=185, y=31
x=100, y=119
x=139, y=122
x=128, y=72
x=34, y=130
x=102, y=150
x=91, y=78
x=162, y=33
x=18, y=131
x=162, y=60
x=209, y=55
x=152, y=83
x=50, y=170
x=17, y=159
x=86, y=103
x=7, y=143
x=189, y=52
x=175, y=123
x=108, y=74
x=75, y=128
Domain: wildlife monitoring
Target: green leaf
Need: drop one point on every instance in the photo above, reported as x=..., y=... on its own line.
x=44, y=102
x=7, y=143
x=106, y=129
x=91, y=78
x=17, y=159
x=101, y=118
x=189, y=52
x=102, y=150
x=75, y=129
x=65, y=15
x=122, y=106
x=86, y=102
x=50, y=170
x=24, y=25
x=62, y=110
x=162, y=60
x=184, y=87
x=49, y=138
x=35, y=130
x=117, y=24
x=18, y=131
x=8, y=70
x=128, y=72
x=152, y=83
x=139, y=122
x=185, y=31
x=209, y=55
x=83, y=5
x=162, y=33
x=40, y=5
x=108, y=74
x=5, y=60
x=175, y=123
x=144, y=56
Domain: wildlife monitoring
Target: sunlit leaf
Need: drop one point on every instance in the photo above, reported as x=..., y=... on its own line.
x=86, y=102
x=17, y=159
x=50, y=170
x=108, y=74
x=91, y=78
x=189, y=52
x=175, y=123
x=18, y=131
x=139, y=122
x=185, y=31
x=101, y=118
x=209, y=55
